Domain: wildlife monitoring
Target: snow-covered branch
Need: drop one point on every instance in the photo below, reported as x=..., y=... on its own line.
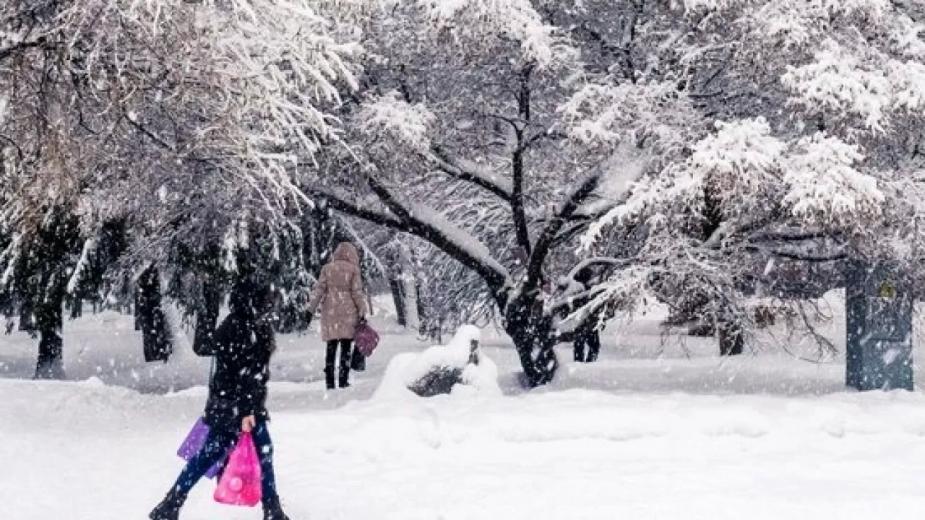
x=428, y=224
x=471, y=172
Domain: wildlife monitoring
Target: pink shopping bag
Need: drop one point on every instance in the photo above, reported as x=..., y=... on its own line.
x=366, y=339
x=239, y=485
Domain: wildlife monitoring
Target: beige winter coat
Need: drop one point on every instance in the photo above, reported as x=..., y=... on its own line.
x=340, y=293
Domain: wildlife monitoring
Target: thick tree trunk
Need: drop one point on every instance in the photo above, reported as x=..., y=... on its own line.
x=50, y=364
x=154, y=331
x=534, y=338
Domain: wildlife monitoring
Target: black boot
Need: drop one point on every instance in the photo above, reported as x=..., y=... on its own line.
x=272, y=510
x=344, y=379
x=329, y=377
x=169, y=508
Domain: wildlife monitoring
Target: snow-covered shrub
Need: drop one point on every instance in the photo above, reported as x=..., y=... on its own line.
x=449, y=366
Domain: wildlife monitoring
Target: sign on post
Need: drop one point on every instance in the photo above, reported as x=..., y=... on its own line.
x=879, y=329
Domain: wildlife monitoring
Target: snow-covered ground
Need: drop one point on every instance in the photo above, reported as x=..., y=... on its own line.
x=652, y=431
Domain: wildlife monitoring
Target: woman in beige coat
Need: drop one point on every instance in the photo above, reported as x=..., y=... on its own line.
x=339, y=292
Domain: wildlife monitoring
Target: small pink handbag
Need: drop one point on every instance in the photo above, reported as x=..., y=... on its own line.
x=366, y=339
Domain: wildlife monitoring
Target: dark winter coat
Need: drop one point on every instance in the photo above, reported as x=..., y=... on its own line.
x=241, y=348
x=340, y=294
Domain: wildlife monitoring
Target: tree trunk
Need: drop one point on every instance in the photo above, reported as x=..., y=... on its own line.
x=154, y=331
x=50, y=364
x=77, y=308
x=410, y=294
x=26, y=318
x=398, y=297
x=420, y=308
x=532, y=332
x=51, y=361
x=136, y=311
x=731, y=339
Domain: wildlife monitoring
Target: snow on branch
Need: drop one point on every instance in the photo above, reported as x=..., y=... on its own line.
x=874, y=8
x=473, y=172
x=824, y=184
x=389, y=114
x=82, y=263
x=454, y=234
x=604, y=113
x=840, y=82
x=356, y=209
x=706, y=5
x=906, y=36
x=484, y=20
x=426, y=223
x=738, y=151
x=229, y=94
x=567, y=208
x=908, y=79
x=642, y=194
x=800, y=256
x=10, y=258
x=739, y=161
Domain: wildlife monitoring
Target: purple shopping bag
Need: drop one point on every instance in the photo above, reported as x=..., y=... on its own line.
x=195, y=440
x=366, y=339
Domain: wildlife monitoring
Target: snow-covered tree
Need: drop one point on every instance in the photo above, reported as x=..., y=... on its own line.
x=537, y=163
x=812, y=158
x=185, y=121
x=478, y=131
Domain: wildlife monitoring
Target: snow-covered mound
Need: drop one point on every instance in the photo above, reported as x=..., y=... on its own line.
x=461, y=360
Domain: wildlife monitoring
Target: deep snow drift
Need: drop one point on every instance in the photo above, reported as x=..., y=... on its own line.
x=636, y=436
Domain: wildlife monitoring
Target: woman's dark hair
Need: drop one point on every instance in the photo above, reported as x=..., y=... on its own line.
x=264, y=303
x=240, y=300
x=254, y=304
x=264, y=299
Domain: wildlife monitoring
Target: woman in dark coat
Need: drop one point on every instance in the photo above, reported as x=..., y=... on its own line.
x=242, y=346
